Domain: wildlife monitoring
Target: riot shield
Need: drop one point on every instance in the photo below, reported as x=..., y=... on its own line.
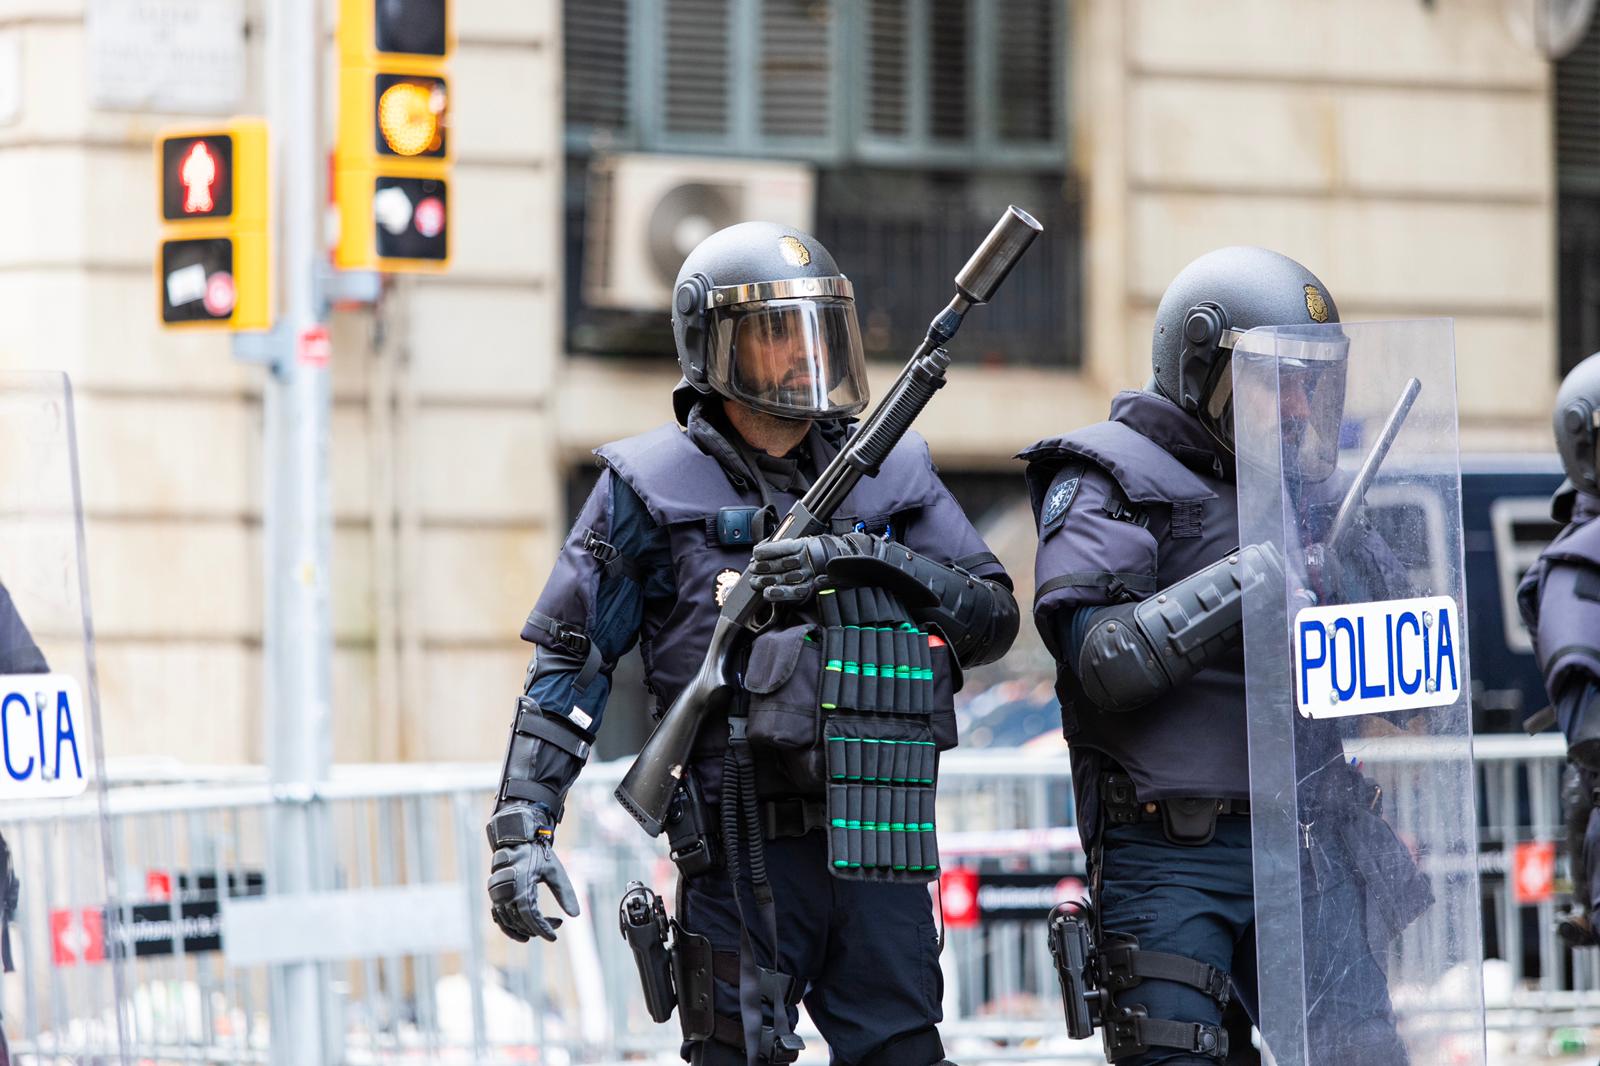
x=62, y=985
x=1360, y=729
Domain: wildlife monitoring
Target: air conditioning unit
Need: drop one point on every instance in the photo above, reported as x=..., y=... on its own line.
x=647, y=212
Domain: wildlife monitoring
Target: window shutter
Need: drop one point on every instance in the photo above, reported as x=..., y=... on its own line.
x=594, y=37
x=695, y=67
x=888, y=69
x=1025, y=107
x=949, y=65
x=796, y=69
x=1578, y=114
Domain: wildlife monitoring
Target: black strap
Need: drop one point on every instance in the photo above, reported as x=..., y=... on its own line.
x=533, y=724
x=611, y=558
x=567, y=637
x=976, y=559
x=792, y=817
x=1136, y=1034
x=1099, y=579
x=725, y=966
x=531, y=792
x=1125, y=965
x=741, y=818
x=571, y=640
x=725, y=1030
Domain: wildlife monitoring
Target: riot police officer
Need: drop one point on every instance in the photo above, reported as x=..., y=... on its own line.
x=1139, y=575
x=1560, y=601
x=769, y=346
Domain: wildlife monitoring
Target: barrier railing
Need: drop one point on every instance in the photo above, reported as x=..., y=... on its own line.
x=419, y=972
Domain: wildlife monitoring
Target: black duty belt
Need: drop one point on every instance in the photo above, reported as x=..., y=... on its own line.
x=792, y=817
x=1150, y=810
x=1188, y=820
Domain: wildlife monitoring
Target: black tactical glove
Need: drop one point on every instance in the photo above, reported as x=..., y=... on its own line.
x=786, y=571
x=523, y=839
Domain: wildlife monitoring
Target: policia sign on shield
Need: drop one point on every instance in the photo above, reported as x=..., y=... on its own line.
x=1357, y=692
x=1377, y=658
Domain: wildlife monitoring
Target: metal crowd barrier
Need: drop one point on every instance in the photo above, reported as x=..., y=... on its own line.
x=418, y=973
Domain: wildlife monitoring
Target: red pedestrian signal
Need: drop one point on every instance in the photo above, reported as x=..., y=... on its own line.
x=197, y=177
x=213, y=266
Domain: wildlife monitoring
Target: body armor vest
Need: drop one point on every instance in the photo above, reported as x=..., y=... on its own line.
x=1192, y=740
x=1560, y=599
x=691, y=496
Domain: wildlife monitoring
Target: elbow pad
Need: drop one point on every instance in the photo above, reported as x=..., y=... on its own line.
x=1135, y=652
x=978, y=616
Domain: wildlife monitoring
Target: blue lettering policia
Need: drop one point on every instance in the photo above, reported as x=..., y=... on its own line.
x=1560, y=601
x=1138, y=551
x=770, y=349
x=1415, y=660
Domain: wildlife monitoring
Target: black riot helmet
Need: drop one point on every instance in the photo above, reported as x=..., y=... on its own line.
x=1577, y=424
x=762, y=315
x=1212, y=301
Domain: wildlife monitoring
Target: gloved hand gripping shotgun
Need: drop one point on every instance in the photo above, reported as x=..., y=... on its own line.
x=646, y=790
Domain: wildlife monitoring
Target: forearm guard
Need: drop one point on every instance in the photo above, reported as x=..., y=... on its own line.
x=1135, y=652
x=545, y=752
x=978, y=616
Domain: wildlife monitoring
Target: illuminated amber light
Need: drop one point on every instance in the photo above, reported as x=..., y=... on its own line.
x=408, y=116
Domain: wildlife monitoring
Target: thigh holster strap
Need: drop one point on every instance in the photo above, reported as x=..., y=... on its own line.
x=1129, y=1033
x=1123, y=965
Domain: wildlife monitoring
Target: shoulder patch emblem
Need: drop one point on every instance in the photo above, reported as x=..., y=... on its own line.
x=726, y=580
x=1060, y=498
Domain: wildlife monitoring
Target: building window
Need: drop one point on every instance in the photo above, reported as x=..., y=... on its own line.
x=915, y=121
x=1577, y=101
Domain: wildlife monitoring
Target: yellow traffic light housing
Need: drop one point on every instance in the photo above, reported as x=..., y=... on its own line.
x=392, y=158
x=214, y=266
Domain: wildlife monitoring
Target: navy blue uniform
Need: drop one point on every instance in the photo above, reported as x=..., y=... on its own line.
x=644, y=562
x=1128, y=507
x=1559, y=599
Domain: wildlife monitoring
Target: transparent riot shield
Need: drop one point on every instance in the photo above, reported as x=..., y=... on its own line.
x=61, y=991
x=1360, y=730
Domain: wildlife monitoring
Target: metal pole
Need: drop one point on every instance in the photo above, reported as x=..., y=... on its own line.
x=298, y=527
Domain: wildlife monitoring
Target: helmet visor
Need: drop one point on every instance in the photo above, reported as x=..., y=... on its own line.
x=1309, y=384
x=796, y=358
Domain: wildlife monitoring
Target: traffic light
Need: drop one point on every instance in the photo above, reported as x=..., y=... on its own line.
x=215, y=261
x=392, y=159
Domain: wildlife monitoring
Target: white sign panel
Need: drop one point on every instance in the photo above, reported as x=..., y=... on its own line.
x=44, y=737
x=1373, y=658
x=180, y=56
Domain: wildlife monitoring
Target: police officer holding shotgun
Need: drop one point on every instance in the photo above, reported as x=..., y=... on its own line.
x=1560, y=602
x=801, y=815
